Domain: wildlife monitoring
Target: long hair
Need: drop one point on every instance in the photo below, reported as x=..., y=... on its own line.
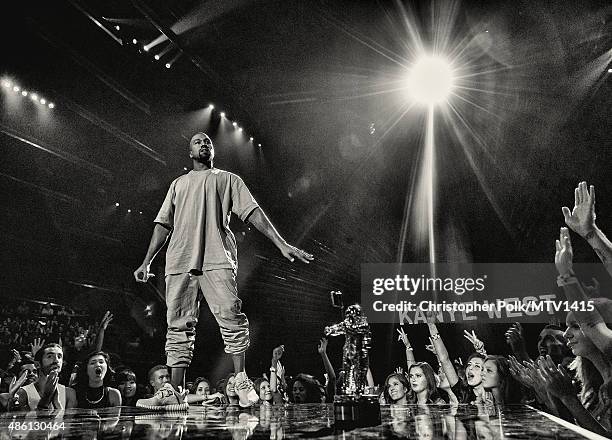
x=509, y=388
x=314, y=389
x=197, y=382
x=589, y=377
x=430, y=377
x=82, y=379
x=257, y=383
x=401, y=379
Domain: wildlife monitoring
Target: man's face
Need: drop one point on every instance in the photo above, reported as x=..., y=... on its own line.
x=158, y=378
x=552, y=343
x=52, y=359
x=201, y=148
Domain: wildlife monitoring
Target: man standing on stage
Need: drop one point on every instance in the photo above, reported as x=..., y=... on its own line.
x=201, y=260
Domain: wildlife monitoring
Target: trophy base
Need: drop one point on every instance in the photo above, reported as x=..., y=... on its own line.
x=356, y=412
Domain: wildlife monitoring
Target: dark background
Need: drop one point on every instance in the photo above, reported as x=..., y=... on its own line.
x=309, y=80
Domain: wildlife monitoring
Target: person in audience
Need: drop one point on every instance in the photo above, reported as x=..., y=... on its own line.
x=396, y=389
x=304, y=388
x=499, y=382
x=229, y=390
x=423, y=385
x=125, y=381
x=46, y=392
x=93, y=383
x=262, y=386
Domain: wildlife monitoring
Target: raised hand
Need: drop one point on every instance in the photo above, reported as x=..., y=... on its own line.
x=322, y=348
x=16, y=383
x=108, y=317
x=515, y=338
x=36, y=345
x=592, y=291
x=431, y=348
x=399, y=370
x=564, y=254
x=15, y=358
x=520, y=373
x=582, y=218
x=291, y=253
x=557, y=380
x=49, y=385
x=477, y=343
x=403, y=337
x=430, y=316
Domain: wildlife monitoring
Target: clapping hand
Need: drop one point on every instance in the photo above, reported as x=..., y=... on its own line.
x=564, y=254
x=515, y=338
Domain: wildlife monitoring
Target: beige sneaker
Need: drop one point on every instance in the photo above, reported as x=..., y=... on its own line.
x=166, y=399
x=244, y=388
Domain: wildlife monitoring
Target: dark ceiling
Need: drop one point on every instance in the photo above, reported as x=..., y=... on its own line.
x=309, y=80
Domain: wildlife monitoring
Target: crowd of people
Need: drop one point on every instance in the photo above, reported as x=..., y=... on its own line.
x=571, y=378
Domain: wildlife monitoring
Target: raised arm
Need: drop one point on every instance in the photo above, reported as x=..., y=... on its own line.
x=158, y=239
x=108, y=317
x=591, y=322
x=261, y=222
x=441, y=352
x=277, y=353
x=403, y=337
x=331, y=375
x=581, y=220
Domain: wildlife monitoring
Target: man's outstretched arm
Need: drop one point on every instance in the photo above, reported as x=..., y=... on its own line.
x=158, y=239
x=261, y=222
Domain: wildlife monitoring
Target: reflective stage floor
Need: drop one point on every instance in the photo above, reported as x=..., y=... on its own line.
x=290, y=421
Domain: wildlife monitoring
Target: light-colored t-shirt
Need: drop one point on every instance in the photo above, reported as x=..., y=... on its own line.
x=34, y=397
x=197, y=208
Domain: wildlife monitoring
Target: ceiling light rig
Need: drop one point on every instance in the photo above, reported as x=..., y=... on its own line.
x=9, y=85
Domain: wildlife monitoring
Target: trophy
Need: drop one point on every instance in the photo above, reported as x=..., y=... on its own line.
x=353, y=407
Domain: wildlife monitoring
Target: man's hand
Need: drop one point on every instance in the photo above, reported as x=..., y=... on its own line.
x=564, y=255
x=15, y=358
x=108, y=317
x=142, y=274
x=582, y=219
x=291, y=253
x=322, y=348
x=49, y=386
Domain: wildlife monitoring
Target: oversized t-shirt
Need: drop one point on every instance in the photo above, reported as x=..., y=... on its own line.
x=197, y=209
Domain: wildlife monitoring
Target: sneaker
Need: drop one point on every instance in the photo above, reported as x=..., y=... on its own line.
x=244, y=388
x=166, y=398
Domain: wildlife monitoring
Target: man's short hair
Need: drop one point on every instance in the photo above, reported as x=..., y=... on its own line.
x=39, y=354
x=154, y=369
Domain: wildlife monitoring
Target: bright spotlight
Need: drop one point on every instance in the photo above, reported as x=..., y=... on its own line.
x=240, y=129
x=223, y=114
x=6, y=83
x=16, y=89
x=134, y=41
x=610, y=70
x=24, y=93
x=156, y=57
x=43, y=101
x=117, y=28
x=211, y=106
x=129, y=211
x=259, y=145
x=251, y=139
x=117, y=204
x=34, y=97
x=146, y=48
x=235, y=124
x=51, y=105
x=430, y=81
x=168, y=65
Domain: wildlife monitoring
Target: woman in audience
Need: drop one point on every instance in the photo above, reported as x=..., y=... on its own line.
x=262, y=387
x=499, y=382
x=396, y=389
x=306, y=389
x=93, y=383
x=229, y=391
x=423, y=385
x=125, y=380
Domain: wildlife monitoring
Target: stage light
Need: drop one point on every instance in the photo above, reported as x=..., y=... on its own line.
x=430, y=80
x=16, y=89
x=24, y=93
x=609, y=70
x=211, y=106
x=185, y=168
x=223, y=114
x=51, y=105
x=168, y=65
x=43, y=101
x=259, y=145
x=6, y=83
x=117, y=204
x=134, y=40
x=251, y=139
x=235, y=124
x=156, y=57
x=240, y=129
x=146, y=48
x=129, y=211
x=34, y=97
x=117, y=28
x=140, y=212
